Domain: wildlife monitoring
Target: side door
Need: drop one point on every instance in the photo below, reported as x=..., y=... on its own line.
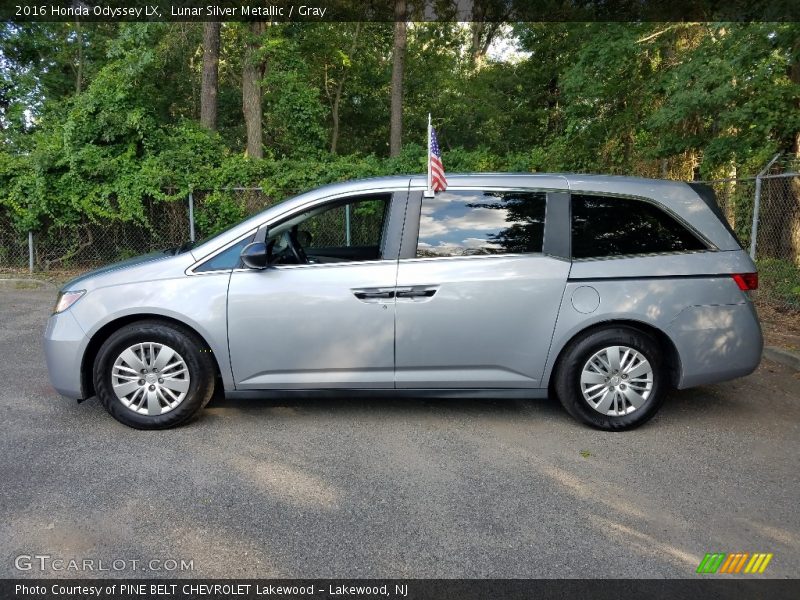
x=478, y=292
x=324, y=319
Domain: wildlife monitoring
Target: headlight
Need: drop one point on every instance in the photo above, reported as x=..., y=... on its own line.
x=67, y=299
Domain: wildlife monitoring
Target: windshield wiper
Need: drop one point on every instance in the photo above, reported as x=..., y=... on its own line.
x=184, y=247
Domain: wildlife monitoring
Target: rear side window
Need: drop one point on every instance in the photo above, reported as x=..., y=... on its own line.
x=609, y=226
x=471, y=222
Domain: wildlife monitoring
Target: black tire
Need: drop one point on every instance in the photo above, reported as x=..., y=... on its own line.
x=194, y=353
x=575, y=357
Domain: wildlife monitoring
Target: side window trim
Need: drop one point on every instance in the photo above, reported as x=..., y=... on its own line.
x=393, y=227
x=558, y=225
x=410, y=229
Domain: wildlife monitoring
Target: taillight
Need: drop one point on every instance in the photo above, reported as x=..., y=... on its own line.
x=746, y=281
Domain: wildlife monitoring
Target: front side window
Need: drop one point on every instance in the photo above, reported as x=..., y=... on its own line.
x=339, y=232
x=605, y=226
x=468, y=223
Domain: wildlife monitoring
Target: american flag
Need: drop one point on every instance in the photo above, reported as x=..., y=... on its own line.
x=438, y=180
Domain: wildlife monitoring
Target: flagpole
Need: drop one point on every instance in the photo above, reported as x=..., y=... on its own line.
x=429, y=191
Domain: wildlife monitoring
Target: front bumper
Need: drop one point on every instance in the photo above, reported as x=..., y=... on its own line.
x=64, y=346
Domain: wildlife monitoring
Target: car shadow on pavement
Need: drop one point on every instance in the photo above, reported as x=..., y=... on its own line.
x=407, y=406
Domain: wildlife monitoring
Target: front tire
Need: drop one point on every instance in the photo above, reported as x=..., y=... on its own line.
x=612, y=378
x=153, y=375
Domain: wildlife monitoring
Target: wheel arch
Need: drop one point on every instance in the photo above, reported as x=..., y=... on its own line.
x=670, y=351
x=108, y=329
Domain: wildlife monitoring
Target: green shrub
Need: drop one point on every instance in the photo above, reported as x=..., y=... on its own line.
x=779, y=282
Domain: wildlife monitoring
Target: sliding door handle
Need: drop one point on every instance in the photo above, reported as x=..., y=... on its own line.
x=415, y=293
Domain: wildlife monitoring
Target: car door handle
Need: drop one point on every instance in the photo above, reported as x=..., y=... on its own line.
x=415, y=293
x=361, y=295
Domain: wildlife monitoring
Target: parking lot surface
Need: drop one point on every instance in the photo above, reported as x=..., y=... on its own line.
x=392, y=488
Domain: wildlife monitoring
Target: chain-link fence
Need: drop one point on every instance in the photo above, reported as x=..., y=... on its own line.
x=84, y=245
x=773, y=197
x=211, y=211
x=773, y=236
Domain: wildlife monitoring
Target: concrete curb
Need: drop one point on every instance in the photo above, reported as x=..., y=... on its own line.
x=22, y=283
x=783, y=356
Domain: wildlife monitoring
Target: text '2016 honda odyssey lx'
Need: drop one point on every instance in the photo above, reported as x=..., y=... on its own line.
x=606, y=291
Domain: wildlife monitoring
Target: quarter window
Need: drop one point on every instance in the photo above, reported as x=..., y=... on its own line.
x=608, y=226
x=227, y=259
x=467, y=223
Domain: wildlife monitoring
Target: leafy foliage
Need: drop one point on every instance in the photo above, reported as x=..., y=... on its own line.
x=779, y=282
x=97, y=119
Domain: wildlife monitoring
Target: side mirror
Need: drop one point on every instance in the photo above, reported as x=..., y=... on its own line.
x=255, y=255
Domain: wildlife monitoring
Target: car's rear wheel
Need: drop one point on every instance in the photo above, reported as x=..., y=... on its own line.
x=153, y=375
x=612, y=378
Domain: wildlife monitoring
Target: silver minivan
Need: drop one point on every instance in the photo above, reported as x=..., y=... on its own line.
x=605, y=291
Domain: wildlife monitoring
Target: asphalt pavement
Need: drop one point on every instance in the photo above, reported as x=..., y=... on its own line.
x=390, y=488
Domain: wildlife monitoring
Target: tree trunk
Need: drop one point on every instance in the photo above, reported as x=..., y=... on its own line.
x=335, y=117
x=794, y=225
x=208, y=90
x=485, y=25
x=79, y=74
x=483, y=35
x=252, y=72
x=398, y=65
x=337, y=99
x=794, y=77
x=476, y=27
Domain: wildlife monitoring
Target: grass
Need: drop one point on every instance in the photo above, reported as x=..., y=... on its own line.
x=58, y=278
x=779, y=283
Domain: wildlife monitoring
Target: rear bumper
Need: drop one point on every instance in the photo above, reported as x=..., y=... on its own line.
x=716, y=343
x=64, y=345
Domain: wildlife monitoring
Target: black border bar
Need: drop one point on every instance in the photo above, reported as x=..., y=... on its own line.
x=384, y=10
x=742, y=587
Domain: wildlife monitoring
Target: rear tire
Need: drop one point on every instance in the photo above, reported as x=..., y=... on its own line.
x=612, y=378
x=153, y=375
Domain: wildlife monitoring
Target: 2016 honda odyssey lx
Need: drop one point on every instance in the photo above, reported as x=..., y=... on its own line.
x=606, y=291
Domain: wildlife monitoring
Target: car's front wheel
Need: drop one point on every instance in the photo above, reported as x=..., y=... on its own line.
x=153, y=375
x=612, y=378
